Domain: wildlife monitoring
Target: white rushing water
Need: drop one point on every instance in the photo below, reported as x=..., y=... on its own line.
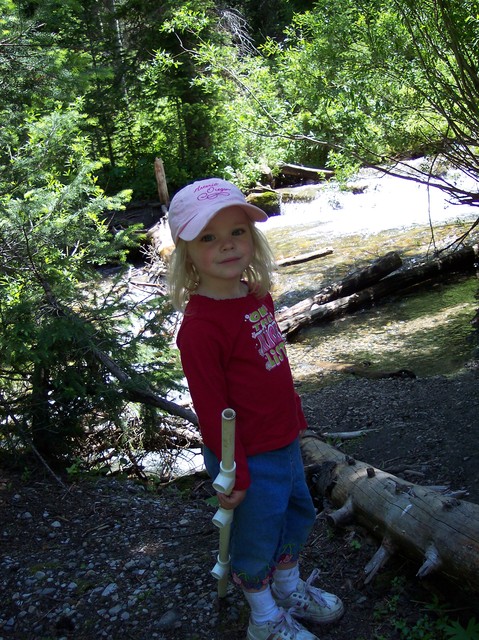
x=379, y=203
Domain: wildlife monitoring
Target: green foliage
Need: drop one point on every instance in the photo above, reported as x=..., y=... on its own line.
x=427, y=628
x=423, y=629
x=56, y=309
x=332, y=68
x=215, y=90
x=435, y=624
x=455, y=631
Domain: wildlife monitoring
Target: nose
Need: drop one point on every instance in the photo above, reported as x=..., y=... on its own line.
x=227, y=244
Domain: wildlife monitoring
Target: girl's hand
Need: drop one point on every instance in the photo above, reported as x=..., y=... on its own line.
x=235, y=498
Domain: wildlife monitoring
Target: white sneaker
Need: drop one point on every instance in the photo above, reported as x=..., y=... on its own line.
x=286, y=628
x=311, y=604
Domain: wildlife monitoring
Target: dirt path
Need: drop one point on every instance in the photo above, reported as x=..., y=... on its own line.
x=109, y=559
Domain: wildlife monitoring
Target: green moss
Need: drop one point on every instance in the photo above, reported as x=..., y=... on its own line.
x=269, y=201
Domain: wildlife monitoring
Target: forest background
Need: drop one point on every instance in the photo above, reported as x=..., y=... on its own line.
x=93, y=91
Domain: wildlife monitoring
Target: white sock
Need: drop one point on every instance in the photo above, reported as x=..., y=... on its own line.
x=263, y=606
x=285, y=581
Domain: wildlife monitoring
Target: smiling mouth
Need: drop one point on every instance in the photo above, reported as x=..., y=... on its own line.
x=228, y=260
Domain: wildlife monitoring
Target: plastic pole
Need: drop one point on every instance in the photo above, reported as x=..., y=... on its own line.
x=224, y=483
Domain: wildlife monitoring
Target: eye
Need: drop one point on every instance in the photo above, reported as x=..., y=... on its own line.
x=207, y=237
x=239, y=232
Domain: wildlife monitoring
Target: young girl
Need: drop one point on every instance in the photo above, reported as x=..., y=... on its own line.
x=234, y=355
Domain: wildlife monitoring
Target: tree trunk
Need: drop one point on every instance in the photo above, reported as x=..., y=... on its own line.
x=163, y=194
x=295, y=318
x=433, y=527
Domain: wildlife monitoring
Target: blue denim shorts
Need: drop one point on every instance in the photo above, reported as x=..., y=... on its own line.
x=274, y=520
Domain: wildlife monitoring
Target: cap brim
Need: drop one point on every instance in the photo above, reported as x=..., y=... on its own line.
x=194, y=227
x=255, y=213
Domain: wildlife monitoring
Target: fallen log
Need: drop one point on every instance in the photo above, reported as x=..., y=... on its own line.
x=460, y=260
x=359, y=279
x=160, y=240
x=438, y=529
x=304, y=257
x=145, y=214
x=363, y=370
x=306, y=173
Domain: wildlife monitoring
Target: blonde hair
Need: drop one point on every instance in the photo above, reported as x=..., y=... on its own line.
x=183, y=277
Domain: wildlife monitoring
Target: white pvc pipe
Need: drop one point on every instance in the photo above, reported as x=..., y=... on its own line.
x=224, y=483
x=221, y=569
x=225, y=480
x=228, y=423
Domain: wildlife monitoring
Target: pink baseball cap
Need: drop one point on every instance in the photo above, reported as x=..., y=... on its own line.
x=193, y=206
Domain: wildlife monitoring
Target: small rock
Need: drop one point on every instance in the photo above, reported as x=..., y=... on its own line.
x=169, y=620
x=109, y=590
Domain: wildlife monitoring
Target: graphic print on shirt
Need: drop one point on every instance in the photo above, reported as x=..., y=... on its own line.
x=269, y=341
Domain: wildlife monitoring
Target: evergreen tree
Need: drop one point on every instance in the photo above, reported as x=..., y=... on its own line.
x=57, y=311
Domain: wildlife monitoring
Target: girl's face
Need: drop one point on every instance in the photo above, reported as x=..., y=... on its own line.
x=222, y=251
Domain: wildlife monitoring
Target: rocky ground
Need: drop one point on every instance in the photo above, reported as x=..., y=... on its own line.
x=114, y=559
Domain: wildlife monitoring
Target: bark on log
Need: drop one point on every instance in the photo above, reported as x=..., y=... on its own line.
x=460, y=260
x=143, y=213
x=306, y=173
x=159, y=237
x=304, y=257
x=435, y=528
x=360, y=279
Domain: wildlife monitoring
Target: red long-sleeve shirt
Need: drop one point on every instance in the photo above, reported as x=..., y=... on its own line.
x=233, y=355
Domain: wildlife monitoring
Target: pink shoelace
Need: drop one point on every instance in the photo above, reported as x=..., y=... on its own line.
x=287, y=622
x=317, y=595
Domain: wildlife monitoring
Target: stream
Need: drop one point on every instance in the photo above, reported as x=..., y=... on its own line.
x=427, y=331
